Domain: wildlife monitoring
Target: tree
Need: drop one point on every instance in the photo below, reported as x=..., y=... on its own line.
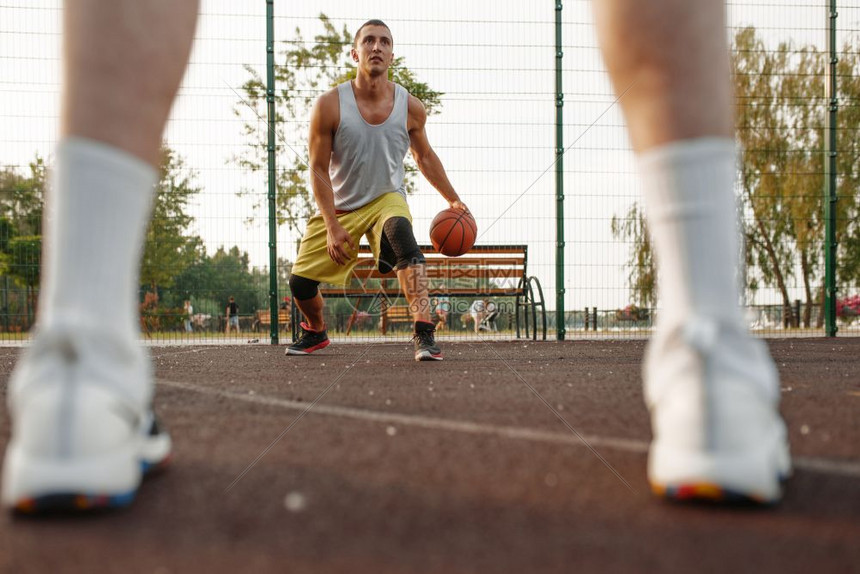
x=304, y=74
x=642, y=271
x=233, y=278
x=169, y=247
x=21, y=207
x=24, y=265
x=22, y=198
x=773, y=142
x=848, y=166
x=780, y=106
x=211, y=280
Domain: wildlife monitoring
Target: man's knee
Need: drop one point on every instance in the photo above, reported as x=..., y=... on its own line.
x=398, y=231
x=303, y=288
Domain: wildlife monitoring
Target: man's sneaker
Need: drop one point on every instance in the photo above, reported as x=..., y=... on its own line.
x=425, y=342
x=713, y=393
x=309, y=342
x=83, y=435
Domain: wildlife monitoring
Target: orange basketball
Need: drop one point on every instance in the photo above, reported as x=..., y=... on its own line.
x=453, y=232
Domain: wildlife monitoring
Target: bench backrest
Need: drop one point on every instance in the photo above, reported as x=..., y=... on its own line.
x=264, y=316
x=488, y=269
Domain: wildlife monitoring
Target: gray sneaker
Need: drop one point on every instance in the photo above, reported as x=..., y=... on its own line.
x=425, y=343
x=309, y=342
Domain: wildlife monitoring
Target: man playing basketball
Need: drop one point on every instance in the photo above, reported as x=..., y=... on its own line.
x=360, y=132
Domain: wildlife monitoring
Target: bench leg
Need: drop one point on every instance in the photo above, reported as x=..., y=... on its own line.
x=351, y=321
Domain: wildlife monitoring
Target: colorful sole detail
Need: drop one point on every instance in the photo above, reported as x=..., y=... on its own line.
x=73, y=503
x=309, y=350
x=708, y=493
x=77, y=503
x=425, y=356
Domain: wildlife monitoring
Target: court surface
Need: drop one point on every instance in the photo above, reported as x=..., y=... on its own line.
x=505, y=457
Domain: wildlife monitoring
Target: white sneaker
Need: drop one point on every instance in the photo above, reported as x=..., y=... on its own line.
x=83, y=434
x=713, y=393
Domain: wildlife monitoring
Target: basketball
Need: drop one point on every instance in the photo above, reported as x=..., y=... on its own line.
x=453, y=232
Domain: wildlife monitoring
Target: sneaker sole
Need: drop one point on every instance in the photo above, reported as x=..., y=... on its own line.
x=34, y=485
x=309, y=350
x=752, y=478
x=710, y=493
x=427, y=356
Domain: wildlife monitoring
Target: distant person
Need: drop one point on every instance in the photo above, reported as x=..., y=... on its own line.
x=188, y=311
x=478, y=311
x=491, y=314
x=284, y=315
x=232, y=313
x=360, y=132
x=442, y=308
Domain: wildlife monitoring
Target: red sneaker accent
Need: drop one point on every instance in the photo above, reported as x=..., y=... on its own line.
x=322, y=345
x=307, y=327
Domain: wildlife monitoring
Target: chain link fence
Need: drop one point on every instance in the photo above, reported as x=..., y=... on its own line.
x=486, y=73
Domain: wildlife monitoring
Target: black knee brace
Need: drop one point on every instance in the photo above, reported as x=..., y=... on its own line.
x=398, y=245
x=303, y=288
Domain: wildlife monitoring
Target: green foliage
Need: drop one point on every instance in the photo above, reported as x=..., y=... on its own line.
x=21, y=207
x=780, y=107
x=781, y=112
x=772, y=129
x=22, y=199
x=848, y=166
x=8, y=231
x=642, y=271
x=304, y=71
x=169, y=248
x=24, y=263
x=211, y=281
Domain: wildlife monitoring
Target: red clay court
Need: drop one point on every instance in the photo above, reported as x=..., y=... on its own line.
x=456, y=466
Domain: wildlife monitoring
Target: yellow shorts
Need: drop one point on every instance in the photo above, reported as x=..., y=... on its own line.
x=313, y=261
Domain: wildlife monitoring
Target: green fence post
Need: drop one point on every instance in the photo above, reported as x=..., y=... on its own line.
x=559, y=179
x=273, y=220
x=830, y=147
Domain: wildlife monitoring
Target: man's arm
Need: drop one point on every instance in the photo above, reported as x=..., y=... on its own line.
x=427, y=160
x=324, y=120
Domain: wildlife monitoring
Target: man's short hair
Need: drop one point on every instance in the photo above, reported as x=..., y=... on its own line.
x=373, y=22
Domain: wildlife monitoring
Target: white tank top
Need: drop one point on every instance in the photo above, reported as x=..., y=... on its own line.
x=367, y=159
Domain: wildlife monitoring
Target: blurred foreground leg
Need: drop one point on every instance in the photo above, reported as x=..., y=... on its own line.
x=83, y=433
x=712, y=390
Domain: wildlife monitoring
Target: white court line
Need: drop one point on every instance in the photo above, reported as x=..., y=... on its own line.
x=821, y=465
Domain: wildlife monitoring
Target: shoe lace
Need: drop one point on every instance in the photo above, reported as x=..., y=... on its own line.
x=425, y=337
x=306, y=333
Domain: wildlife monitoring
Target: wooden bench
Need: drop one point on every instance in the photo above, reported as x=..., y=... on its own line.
x=491, y=271
x=263, y=320
x=389, y=315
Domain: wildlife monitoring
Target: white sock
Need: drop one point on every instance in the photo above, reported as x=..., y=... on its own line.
x=95, y=220
x=692, y=217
